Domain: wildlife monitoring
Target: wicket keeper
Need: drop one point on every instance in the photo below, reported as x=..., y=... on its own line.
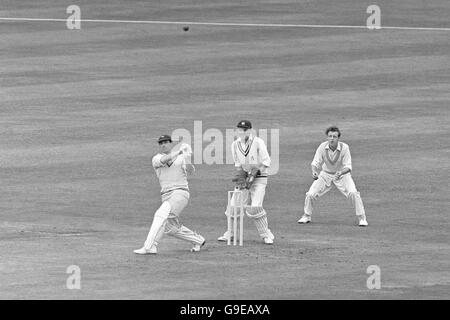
x=252, y=162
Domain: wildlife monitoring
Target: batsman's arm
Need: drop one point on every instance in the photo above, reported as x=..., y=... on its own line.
x=187, y=162
x=170, y=157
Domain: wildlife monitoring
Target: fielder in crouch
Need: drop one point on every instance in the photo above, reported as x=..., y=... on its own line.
x=171, y=169
x=332, y=164
x=252, y=159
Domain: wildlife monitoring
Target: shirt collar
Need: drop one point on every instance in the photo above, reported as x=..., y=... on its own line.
x=339, y=146
x=250, y=138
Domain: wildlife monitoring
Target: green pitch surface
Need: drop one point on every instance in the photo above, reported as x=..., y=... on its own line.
x=80, y=111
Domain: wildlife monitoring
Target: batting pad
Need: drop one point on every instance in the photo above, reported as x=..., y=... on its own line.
x=262, y=226
x=175, y=229
x=255, y=212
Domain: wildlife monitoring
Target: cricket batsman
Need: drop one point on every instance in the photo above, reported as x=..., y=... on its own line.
x=252, y=162
x=332, y=164
x=171, y=164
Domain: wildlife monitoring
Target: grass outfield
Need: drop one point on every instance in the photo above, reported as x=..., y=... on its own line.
x=81, y=110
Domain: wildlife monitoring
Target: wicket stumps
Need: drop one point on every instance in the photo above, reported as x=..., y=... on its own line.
x=235, y=210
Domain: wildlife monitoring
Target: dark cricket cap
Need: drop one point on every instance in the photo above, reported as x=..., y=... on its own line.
x=164, y=137
x=244, y=124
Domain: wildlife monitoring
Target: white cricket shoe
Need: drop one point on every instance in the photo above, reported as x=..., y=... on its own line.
x=225, y=237
x=304, y=219
x=198, y=247
x=142, y=250
x=268, y=240
x=363, y=221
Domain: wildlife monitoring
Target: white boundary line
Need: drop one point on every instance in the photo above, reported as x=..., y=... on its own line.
x=227, y=24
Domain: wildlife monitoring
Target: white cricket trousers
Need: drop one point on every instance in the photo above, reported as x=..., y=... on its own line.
x=325, y=182
x=178, y=200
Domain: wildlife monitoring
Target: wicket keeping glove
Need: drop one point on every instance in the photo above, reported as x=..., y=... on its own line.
x=240, y=179
x=251, y=177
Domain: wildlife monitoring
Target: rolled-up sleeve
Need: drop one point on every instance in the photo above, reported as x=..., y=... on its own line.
x=156, y=161
x=263, y=153
x=318, y=159
x=346, y=158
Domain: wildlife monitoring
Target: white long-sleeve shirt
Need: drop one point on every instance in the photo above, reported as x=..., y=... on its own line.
x=171, y=175
x=251, y=154
x=332, y=161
